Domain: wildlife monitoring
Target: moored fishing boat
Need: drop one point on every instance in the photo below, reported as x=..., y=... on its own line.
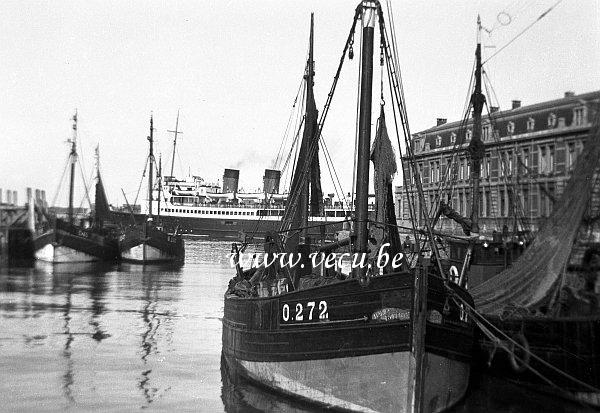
x=381, y=338
x=148, y=242
x=540, y=319
x=63, y=241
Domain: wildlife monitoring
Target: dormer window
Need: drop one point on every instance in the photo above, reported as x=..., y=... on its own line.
x=453, y=138
x=530, y=124
x=552, y=120
x=417, y=145
x=438, y=141
x=510, y=127
x=579, y=116
x=485, y=132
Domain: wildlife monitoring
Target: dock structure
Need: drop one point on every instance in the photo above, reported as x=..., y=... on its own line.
x=19, y=222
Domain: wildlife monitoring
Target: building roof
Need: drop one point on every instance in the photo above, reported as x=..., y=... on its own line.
x=543, y=116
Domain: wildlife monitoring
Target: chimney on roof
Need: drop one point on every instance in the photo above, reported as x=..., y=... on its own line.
x=569, y=94
x=441, y=121
x=516, y=104
x=494, y=109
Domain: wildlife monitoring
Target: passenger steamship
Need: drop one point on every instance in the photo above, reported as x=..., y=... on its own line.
x=195, y=207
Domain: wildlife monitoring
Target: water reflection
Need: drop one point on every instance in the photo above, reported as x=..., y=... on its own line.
x=68, y=375
x=160, y=286
x=129, y=337
x=239, y=395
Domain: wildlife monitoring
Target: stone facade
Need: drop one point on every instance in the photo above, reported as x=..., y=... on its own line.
x=529, y=152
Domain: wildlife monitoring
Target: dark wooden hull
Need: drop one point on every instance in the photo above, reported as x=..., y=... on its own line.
x=150, y=246
x=353, y=359
x=68, y=243
x=572, y=345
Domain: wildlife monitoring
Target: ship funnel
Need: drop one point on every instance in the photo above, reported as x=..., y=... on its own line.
x=231, y=178
x=271, y=181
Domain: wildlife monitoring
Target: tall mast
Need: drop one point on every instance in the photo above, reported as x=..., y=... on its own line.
x=301, y=176
x=364, y=135
x=159, y=183
x=476, y=147
x=310, y=81
x=73, y=158
x=175, y=132
x=151, y=162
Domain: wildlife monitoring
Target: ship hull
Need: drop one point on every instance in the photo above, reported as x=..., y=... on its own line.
x=571, y=345
x=66, y=244
x=150, y=246
x=353, y=360
x=371, y=383
x=230, y=228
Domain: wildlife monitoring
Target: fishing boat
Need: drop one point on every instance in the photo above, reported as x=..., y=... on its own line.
x=539, y=320
x=380, y=338
x=475, y=256
x=148, y=242
x=64, y=241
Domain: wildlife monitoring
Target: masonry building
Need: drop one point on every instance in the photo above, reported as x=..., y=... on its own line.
x=529, y=152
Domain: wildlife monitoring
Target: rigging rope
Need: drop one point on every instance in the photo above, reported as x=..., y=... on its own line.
x=62, y=178
x=540, y=17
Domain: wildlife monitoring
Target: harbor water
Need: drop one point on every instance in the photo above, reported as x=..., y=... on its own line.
x=123, y=338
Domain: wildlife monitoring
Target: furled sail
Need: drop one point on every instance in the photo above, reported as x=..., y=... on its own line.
x=102, y=211
x=384, y=165
x=306, y=180
x=532, y=280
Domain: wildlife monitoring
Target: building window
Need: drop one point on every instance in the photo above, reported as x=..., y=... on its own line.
x=552, y=120
x=431, y=172
x=453, y=138
x=526, y=157
x=571, y=155
x=546, y=159
x=468, y=134
x=579, y=116
x=530, y=124
x=510, y=128
x=485, y=133
x=417, y=145
x=438, y=141
x=543, y=159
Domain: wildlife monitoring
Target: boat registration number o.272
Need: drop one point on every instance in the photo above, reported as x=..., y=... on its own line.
x=300, y=312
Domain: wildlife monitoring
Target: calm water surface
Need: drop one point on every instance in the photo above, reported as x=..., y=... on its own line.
x=86, y=337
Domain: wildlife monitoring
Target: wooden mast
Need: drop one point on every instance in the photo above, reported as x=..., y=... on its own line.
x=73, y=157
x=151, y=162
x=364, y=136
x=159, y=184
x=175, y=132
x=476, y=147
x=301, y=176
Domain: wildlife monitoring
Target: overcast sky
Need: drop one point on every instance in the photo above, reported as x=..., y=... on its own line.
x=232, y=68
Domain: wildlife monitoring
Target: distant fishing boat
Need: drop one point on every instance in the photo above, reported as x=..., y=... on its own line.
x=378, y=339
x=64, y=241
x=148, y=242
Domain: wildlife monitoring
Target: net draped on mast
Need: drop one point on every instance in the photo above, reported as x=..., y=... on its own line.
x=532, y=280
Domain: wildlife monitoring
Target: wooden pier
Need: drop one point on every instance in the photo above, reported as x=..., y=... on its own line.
x=19, y=222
